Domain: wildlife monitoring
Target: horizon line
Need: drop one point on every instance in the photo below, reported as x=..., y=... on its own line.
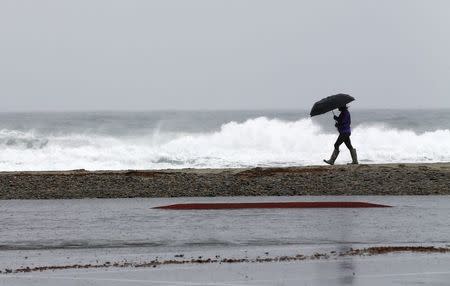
x=208, y=109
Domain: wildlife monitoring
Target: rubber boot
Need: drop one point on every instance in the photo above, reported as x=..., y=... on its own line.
x=354, y=157
x=333, y=157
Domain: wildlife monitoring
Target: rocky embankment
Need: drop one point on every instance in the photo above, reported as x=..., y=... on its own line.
x=389, y=179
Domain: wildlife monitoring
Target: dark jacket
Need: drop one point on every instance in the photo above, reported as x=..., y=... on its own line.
x=343, y=122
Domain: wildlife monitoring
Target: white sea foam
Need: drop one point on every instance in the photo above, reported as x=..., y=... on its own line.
x=255, y=142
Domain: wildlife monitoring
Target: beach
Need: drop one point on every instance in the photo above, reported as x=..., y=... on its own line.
x=130, y=242
x=376, y=179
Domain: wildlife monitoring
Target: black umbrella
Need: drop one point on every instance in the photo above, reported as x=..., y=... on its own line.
x=330, y=103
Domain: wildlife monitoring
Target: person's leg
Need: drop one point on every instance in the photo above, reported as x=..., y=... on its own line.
x=335, y=154
x=339, y=141
x=348, y=143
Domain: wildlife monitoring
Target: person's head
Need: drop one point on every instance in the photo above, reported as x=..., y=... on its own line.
x=342, y=108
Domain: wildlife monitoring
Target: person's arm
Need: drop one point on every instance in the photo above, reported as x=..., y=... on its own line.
x=338, y=119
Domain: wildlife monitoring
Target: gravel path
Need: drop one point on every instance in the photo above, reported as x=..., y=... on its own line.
x=389, y=179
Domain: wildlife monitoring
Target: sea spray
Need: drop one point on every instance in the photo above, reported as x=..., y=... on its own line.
x=258, y=141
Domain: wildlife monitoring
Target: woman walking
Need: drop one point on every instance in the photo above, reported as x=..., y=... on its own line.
x=343, y=122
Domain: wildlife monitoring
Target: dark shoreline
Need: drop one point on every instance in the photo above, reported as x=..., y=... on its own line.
x=386, y=179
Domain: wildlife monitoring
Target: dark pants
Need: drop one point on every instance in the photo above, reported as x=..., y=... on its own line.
x=343, y=138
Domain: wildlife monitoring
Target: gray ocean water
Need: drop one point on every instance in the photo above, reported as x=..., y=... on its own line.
x=213, y=139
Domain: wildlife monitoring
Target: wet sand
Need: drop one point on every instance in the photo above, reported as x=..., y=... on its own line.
x=382, y=179
x=130, y=242
x=180, y=258
x=406, y=268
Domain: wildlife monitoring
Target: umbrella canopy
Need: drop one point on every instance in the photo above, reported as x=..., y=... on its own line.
x=330, y=103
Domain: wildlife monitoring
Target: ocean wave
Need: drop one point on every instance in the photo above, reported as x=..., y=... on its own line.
x=21, y=140
x=255, y=142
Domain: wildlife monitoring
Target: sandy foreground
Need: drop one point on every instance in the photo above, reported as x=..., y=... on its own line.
x=386, y=179
x=129, y=242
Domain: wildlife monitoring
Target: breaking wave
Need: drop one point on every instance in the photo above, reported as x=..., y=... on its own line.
x=255, y=142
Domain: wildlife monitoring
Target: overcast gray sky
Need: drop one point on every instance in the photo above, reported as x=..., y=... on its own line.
x=231, y=54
